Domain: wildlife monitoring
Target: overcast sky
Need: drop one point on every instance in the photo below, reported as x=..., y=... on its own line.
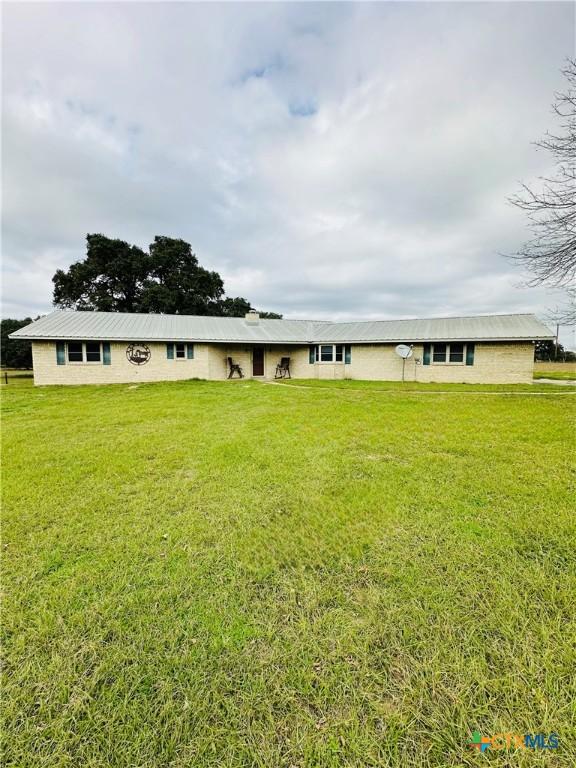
x=329, y=160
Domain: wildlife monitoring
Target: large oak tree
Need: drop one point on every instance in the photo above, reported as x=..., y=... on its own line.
x=118, y=277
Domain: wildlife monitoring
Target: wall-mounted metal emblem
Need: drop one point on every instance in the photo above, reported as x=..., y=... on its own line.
x=138, y=354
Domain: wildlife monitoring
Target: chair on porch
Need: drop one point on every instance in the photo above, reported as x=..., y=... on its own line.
x=283, y=369
x=234, y=368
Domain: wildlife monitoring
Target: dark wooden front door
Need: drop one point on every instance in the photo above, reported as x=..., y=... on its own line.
x=258, y=361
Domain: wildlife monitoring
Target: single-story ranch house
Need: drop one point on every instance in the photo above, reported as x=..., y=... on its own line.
x=71, y=347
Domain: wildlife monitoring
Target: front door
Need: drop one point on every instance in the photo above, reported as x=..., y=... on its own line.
x=258, y=361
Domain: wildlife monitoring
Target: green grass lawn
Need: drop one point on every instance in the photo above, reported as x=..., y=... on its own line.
x=407, y=387
x=16, y=377
x=557, y=371
x=236, y=575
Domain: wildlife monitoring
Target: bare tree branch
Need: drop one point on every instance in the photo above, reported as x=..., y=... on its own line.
x=566, y=314
x=550, y=255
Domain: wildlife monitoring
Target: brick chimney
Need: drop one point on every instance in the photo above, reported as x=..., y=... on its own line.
x=252, y=318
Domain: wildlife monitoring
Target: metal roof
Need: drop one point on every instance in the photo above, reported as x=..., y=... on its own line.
x=116, y=326
x=481, y=327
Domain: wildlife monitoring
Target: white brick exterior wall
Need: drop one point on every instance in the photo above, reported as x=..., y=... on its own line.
x=495, y=362
x=498, y=362
x=210, y=362
x=158, y=368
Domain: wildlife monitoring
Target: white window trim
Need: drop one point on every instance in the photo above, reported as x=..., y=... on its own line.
x=319, y=361
x=187, y=359
x=447, y=344
x=84, y=360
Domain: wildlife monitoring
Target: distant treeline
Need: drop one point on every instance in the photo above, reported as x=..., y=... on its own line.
x=547, y=352
x=15, y=353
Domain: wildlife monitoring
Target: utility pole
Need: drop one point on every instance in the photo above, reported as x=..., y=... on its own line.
x=556, y=342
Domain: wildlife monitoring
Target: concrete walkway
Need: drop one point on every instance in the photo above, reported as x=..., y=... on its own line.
x=563, y=382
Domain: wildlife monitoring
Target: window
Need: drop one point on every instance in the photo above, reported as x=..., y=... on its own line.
x=456, y=353
x=83, y=352
x=439, y=353
x=92, y=351
x=75, y=352
x=179, y=350
x=330, y=353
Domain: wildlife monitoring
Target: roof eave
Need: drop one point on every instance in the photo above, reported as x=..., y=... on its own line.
x=275, y=342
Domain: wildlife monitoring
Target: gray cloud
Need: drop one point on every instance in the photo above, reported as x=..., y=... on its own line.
x=330, y=160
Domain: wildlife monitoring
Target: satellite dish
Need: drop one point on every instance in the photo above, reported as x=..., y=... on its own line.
x=404, y=351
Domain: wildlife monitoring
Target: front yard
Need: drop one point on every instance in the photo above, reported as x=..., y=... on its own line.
x=239, y=574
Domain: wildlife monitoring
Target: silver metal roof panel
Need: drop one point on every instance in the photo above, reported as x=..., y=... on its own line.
x=116, y=326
